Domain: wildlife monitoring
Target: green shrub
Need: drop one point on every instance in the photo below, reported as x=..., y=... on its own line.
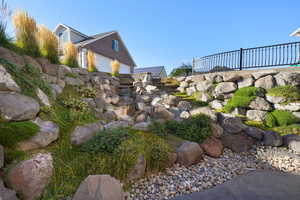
x=280, y=118
x=270, y=120
x=71, y=75
x=76, y=104
x=87, y=92
x=249, y=91
x=14, y=132
x=159, y=129
x=195, y=128
x=291, y=93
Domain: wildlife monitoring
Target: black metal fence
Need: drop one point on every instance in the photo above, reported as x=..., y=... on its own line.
x=258, y=57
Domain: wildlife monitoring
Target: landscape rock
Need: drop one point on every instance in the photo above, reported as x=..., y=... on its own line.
x=99, y=187
x=47, y=134
x=1, y=156
x=6, y=194
x=156, y=101
x=231, y=77
x=225, y=87
x=206, y=111
x=272, y=139
x=275, y=99
x=204, y=86
x=256, y=115
x=143, y=126
x=184, y=84
x=151, y=89
x=205, y=97
x=260, y=103
x=288, y=78
x=116, y=124
x=139, y=168
x=17, y=107
x=212, y=147
x=82, y=134
x=161, y=112
x=266, y=82
x=233, y=125
x=213, y=77
x=184, y=105
x=58, y=89
x=255, y=133
x=245, y=82
x=292, y=141
x=190, y=90
x=73, y=81
x=217, y=104
x=290, y=106
x=189, y=153
x=171, y=100
x=30, y=177
x=264, y=73
x=12, y=57
x=7, y=83
x=239, y=111
x=184, y=115
x=216, y=129
x=43, y=97
x=141, y=117
x=237, y=143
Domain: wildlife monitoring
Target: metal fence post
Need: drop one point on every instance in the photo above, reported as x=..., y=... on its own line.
x=193, y=67
x=241, y=59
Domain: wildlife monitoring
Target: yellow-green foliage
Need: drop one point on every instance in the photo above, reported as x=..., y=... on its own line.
x=280, y=118
x=70, y=55
x=291, y=93
x=115, y=67
x=48, y=44
x=91, y=61
x=192, y=99
x=26, y=32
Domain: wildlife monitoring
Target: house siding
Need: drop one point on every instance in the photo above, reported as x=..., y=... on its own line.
x=103, y=65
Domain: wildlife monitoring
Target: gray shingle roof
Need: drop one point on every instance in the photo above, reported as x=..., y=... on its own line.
x=155, y=71
x=93, y=38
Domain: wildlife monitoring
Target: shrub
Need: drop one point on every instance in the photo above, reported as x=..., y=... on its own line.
x=249, y=91
x=87, y=92
x=280, y=118
x=183, y=70
x=14, y=132
x=159, y=129
x=5, y=13
x=291, y=93
x=26, y=32
x=270, y=120
x=115, y=67
x=48, y=44
x=91, y=61
x=70, y=55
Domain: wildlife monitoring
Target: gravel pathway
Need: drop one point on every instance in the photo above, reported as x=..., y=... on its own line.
x=211, y=172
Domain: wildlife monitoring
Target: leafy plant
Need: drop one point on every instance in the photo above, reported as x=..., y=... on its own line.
x=115, y=68
x=291, y=93
x=26, y=32
x=87, y=92
x=91, y=61
x=280, y=118
x=75, y=105
x=48, y=44
x=70, y=55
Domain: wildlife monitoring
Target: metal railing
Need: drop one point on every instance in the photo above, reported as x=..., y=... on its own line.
x=258, y=57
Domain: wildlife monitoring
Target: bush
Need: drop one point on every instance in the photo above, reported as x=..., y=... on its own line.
x=48, y=44
x=270, y=120
x=91, y=61
x=196, y=128
x=26, y=32
x=70, y=55
x=183, y=70
x=280, y=118
x=115, y=68
x=87, y=92
x=249, y=91
x=291, y=93
x=14, y=132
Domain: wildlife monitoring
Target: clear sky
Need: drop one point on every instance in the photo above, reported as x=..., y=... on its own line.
x=169, y=32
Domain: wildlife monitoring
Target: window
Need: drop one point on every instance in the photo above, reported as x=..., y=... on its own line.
x=115, y=45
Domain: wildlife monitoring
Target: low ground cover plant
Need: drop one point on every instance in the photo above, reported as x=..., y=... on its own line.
x=279, y=118
x=291, y=93
x=192, y=99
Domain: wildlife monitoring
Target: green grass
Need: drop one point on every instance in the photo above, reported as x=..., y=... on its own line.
x=291, y=93
x=280, y=118
x=192, y=99
x=71, y=75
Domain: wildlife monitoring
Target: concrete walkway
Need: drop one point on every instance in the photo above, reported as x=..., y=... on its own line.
x=261, y=185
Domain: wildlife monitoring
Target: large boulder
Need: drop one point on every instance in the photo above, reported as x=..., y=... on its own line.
x=294, y=106
x=1, y=156
x=225, y=87
x=260, y=103
x=237, y=143
x=99, y=187
x=206, y=111
x=204, y=86
x=267, y=82
x=216, y=129
x=256, y=115
x=217, y=104
x=82, y=134
x=293, y=142
x=43, y=97
x=233, y=125
x=246, y=82
x=117, y=124
x=184, y=115
x=17, y=107
x=48, y=133
x=6, y=194
x=170, y=100
x=30, y=177
x=7, y=83
x=184, y=106
x=255, y=133
x=190, y=90
x=161, y=113
x=275, y=99
x=288, y=78
x=231, y=77
x=139, y=168
x=264, y=73
x=73, y=81
x=189, y=153
x=12, y=57
x=212, y=147
x=272, y=139
x=204, y=97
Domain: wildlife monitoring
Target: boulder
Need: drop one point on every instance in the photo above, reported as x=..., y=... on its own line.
x=172, y=157
x=30, y=177
x=171, y=100
x=231, y=77
x=293, y=107
x=206, y=111
x=73, y=81
x=190, y=90
x=239, y=111
x=184, y=84
x=216, y=129
x=43, y=97
x=17, y=107
x=189, y=153
x=288, y=78
x=295, y=146
x=233, y=125
x=156, y=101
x=1, y=156
x=204, y=86
x=48, y=133
x=139, y=168
x=161, y=112
x=225, y=87
x=272, y=139
x=217, y=104
x=275, y=99
x=266, y=82
x=245, y=82
x=115, y=99
x=143, y=126
x=151, y=89
x=256, y=115
x=6, y=194
x=141, y=117
x=197, y=78
x=213, y=77
x=260, y=103
x=237, y=143
x=255, y=133
x=184, y=106
x=297, y=115
x=99, y=187
x=264, y=73
x=7, y=83
x=100, y=104
x=116, y=124
x=212, y=147
x=31, y=61
x=12, y=57
x=184, y=115
x=82, y=134
x=57, y=89
x=292, y=141
x=205, y=97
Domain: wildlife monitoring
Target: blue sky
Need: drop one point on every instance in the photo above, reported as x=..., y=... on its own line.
x=169, y=32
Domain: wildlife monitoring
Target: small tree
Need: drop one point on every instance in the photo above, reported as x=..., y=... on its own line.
x=183, y=70
x=91, y=61
x=26, y=32
x=115, y=67
x=5, y=13
x=48, y=44
x=70, y=55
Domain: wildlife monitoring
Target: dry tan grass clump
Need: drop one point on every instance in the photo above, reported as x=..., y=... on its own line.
x=26, y=32
x=115, y=67
x=70, y=55
x=91, y=61
x=48, y=44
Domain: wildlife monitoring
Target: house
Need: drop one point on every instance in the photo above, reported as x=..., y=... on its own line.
x=107, y=47
x=156, y=72
x=296, y=33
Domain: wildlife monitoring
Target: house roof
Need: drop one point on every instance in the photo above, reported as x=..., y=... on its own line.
x=296, y=33
x=93, y=38
x=155, y=71
x=70, y=28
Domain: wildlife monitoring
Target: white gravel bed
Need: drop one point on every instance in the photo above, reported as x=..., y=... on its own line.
x=211, y=172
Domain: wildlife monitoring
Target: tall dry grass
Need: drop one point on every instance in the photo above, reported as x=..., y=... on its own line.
x=48, y=44
x=115, y=67
x=5, y=13
x=26, y=32
x=91, y=61
x=70, y=55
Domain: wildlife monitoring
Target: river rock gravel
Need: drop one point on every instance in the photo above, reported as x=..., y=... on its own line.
x=210, y=172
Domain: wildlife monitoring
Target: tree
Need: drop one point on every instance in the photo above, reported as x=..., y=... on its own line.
x=184, y=70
